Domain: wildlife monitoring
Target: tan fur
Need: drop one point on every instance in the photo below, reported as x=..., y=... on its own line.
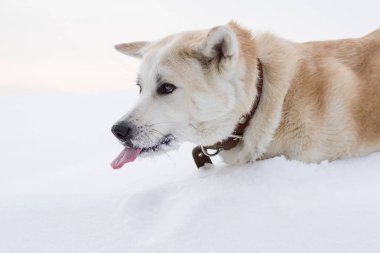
x=332, y=109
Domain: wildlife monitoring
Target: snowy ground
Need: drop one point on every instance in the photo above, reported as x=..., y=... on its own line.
x=59, y=194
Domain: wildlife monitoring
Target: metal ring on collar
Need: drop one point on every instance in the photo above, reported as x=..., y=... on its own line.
x=204, y=150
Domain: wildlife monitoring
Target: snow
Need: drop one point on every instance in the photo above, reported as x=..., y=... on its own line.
x=58, y=192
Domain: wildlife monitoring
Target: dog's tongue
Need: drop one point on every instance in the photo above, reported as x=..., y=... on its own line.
x=126, y=156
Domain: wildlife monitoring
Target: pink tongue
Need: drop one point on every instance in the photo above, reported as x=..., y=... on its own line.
x=126, y=156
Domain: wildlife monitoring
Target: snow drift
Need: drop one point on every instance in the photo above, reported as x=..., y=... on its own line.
x=58, y=192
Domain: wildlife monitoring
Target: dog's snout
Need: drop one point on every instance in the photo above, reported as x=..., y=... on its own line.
x=122, y=131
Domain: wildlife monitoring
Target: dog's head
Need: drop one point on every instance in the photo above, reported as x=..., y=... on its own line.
x=193, y=87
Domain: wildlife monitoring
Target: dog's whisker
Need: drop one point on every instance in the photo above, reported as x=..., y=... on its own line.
x=191, y=125
x=156, y=131
x=164, y=122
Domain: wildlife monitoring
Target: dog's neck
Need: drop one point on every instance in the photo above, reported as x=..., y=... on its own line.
x=200, y=153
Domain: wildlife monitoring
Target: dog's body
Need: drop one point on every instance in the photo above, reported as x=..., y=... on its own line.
x=320, y=100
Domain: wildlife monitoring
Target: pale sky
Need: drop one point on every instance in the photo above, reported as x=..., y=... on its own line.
x=67, y=45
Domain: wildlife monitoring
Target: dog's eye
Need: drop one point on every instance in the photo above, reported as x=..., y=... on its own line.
x=166, y=88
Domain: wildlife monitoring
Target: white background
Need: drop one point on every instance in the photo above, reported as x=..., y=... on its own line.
x=50, y=45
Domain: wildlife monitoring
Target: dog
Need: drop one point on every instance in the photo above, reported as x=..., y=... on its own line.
x=316, y=101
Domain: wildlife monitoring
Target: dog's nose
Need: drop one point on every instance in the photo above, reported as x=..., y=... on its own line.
x=122, y=131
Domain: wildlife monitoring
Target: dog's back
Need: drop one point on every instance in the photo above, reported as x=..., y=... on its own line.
x=332, y=109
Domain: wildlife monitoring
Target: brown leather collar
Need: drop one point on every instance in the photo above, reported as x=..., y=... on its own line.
x=200, y=153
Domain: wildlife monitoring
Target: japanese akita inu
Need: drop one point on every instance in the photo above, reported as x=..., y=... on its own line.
x=316, y=101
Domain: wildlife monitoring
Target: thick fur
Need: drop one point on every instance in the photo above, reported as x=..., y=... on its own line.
x=320, y=100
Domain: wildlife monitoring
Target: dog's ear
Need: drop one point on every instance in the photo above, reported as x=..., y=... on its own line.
x=220, y=44
x=134, y=49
